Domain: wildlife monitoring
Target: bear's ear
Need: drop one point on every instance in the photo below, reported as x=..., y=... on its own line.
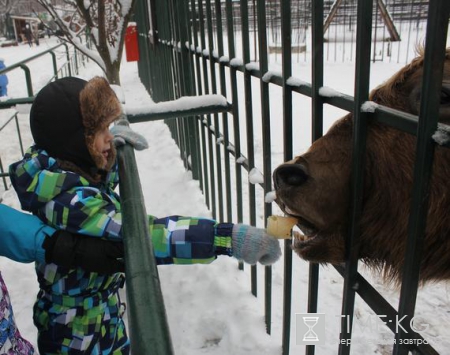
x=374, y=95
x=381, y=94
x=99, y=105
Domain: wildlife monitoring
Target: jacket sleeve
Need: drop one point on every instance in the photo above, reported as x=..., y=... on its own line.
x=189, y=240
x=22, y=235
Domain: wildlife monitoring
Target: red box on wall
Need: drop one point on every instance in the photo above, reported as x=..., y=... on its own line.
x=131, y=43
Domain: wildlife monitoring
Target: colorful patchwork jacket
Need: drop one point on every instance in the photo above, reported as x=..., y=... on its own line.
x=66, y=200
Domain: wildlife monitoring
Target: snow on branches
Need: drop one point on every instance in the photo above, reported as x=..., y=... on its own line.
x=94, y=23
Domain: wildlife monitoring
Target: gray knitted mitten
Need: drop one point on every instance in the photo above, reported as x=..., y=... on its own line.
x=252, y=245
x=124, y=134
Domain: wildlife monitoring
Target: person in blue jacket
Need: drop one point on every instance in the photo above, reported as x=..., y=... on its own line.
x=25, y=238
x=67, y=179
x=3, y=80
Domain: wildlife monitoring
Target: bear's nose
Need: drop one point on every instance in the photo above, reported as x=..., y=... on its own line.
x=289, y=175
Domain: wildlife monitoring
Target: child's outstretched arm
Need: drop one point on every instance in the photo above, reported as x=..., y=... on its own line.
x=25, y=238
x=188, y=240
x=66, y=201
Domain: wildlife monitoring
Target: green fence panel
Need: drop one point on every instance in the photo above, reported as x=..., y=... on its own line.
x=197, y=52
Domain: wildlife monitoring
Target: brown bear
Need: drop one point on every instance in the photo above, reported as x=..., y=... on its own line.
x=315, y=187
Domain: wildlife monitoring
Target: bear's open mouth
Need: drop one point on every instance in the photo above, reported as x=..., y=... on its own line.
x=309, y=230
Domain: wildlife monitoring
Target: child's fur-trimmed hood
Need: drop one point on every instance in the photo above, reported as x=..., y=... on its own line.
x=66, y=115
x=99, y=108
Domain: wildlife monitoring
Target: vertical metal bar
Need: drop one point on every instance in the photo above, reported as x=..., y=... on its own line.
x=193, y=124
x=5, y=184
x=362, y=77
x=250, y=142
x=317, y=131
x=176, y=33
x=236, y=125
x=248, y=107
x=68, y=58
x=189, y=90
x=196, y=45
x=209, y=179
x=18, y=133
x=286, y=43
x=27, y=79
x=235, y=110
x=145, y=53
x=198, y=81
x=55, y=65
x=223, y=91
x=149, y=329
x=217, y=163
x=253, y=269
x=75, y=59
x=265, y=113
x=182, y=25
x=436, y=37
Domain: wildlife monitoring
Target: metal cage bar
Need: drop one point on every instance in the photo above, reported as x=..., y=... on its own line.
x=317, y=131
x=288, y=155
x=437, y=27
x=362, y=75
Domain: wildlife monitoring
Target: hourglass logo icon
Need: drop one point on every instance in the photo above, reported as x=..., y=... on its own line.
x=310, y=328
x=310, y=323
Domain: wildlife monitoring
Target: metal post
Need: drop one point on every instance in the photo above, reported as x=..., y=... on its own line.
x=362, y=75
x=287, y=149
x=437, y=27
x=27, y=79
x=55, y=66
x=149, y=329
x=68, y=58
x=18, y=133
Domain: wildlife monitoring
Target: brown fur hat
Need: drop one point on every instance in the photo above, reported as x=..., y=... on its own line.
x=99, y=108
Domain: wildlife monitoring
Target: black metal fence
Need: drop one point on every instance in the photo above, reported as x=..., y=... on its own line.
x=232, y=154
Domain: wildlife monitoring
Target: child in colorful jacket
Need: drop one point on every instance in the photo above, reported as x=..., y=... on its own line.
x=67, y=179
x=25, y=238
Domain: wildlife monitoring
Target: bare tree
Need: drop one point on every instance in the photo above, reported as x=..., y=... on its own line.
x=5, y=8
x=100, y=22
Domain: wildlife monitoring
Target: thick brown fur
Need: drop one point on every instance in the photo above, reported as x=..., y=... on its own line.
x=99, y=108
x=321, y=200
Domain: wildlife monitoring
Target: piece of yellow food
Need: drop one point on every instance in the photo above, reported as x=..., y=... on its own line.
x=280, y=227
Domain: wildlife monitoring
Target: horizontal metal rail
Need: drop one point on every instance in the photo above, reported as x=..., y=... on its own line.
x=397, y=119
x=24, y=67
x=186, y=112
x=14, y=102
x=29, y=59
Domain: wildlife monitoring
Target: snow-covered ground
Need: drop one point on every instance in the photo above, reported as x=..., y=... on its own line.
x=210, y=308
